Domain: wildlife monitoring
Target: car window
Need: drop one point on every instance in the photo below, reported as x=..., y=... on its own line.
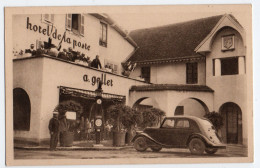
x=168, y=123
x=183, y=124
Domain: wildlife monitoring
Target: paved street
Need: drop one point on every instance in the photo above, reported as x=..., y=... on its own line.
x=231, y=151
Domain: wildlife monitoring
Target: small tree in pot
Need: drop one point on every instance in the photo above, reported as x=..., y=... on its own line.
x=123, y=119
x=216, y=119
x=151, y=117
x=68, y=126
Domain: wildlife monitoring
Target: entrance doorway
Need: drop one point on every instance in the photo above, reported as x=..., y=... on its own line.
x=232, y=119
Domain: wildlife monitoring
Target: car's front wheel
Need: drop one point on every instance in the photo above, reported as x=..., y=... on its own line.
x=211, y=150
x=140, y=144
x=196, y=146
x=156, y=148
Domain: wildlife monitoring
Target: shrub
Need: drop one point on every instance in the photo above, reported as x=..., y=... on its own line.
x=216, y=119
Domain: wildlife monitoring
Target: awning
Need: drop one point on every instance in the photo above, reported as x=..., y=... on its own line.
x=88, y=94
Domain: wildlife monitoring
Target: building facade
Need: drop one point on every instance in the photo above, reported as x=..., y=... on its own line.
x=189, y=68
x=41, y=82
x=196, y=67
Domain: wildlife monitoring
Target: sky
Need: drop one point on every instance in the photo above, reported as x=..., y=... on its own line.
x=143, y=19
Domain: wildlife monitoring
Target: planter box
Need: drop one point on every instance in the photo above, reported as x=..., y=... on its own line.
x=119, y=138
x=67, y=139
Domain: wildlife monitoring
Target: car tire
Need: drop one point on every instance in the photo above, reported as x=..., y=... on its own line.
x=196, y=146
x=156, y=148
x=140, y=144
x=211, y=150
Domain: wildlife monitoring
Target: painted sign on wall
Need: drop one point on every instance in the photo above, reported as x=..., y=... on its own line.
x=53, y=33
x=95, y=80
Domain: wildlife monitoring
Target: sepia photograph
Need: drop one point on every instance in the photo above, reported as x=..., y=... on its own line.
x=129, y=84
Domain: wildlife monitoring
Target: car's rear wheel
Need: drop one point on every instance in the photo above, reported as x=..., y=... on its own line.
x=140, y=144
x=156, y=148
x=196, y=146
x=211, y=150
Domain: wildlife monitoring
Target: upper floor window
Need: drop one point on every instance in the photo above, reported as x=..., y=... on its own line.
x=229, y=66
x=49, y=18
x=103, y=34
x=75, y=23
x=192, y=73
x=145, y=73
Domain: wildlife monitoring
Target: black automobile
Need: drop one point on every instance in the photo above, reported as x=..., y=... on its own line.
x=197, y=134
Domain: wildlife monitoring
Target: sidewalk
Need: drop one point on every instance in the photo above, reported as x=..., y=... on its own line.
x=77, y=145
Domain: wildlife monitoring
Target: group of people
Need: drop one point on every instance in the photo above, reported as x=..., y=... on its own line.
x=66, y=54
x=59, y=125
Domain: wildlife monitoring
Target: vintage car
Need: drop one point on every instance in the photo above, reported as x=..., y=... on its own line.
x=197, y=134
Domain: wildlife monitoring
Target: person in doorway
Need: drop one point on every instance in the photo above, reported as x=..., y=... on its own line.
x=63, y=127
x=54, y=131
x=96, y=63
x=87, y=129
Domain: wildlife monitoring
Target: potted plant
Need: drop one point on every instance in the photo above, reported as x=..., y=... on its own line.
x=69, y=126
x=123, y=119
x=151, y=117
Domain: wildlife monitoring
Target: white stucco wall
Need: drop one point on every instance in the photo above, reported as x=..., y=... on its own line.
x=172, y=73
x=168, y=100
x=192, y=107
x=57, y=73
x=228, y=88
x=27, y=78
x=117, y=50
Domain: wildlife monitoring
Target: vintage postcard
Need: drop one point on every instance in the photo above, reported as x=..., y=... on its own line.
x=128, y=84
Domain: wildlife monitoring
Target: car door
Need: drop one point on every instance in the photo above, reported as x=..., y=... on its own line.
x=182, y=131
x=167, y=132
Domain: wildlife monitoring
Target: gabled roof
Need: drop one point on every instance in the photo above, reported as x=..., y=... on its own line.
x=171, y=41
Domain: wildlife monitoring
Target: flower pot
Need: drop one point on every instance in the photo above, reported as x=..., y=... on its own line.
x=129, y=137
x=119, y=138
x=67, y=138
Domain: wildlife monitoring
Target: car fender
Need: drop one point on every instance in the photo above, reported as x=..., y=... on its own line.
x=202, y=137
x=142, y=134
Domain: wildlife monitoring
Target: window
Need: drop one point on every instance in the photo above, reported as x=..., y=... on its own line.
x=49, y=18
x=229, y=66
x=145, y=73
x=103, y=34
x=192, y=73
x=111, y=67
x=182, y=124
x=21, y=110
x=168, y=123
x=75, y=23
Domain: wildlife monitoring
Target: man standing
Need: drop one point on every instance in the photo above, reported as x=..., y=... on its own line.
x=96, y=63
x=54, y=130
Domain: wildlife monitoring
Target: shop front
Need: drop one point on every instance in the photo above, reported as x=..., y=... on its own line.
x=47, y=82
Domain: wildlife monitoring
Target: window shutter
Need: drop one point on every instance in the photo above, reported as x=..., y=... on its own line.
x=68, y=21
x=82, y=25
x=46, y=17
x=115, y=69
